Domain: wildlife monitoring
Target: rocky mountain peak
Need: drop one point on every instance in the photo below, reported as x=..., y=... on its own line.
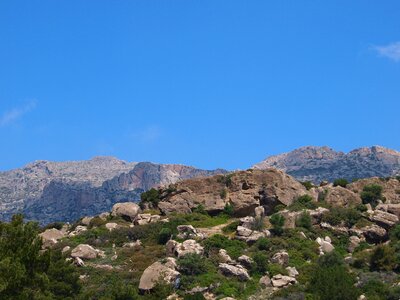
x=323, y=163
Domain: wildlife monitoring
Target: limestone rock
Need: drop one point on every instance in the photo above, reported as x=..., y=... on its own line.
x=246, y=191
x=143, y=219
x=189, y=232
x=85, y=251
x=265, y=281
x=127, y=210
x=245, y=261
x=281, y=258
x=51, y=236
x=234, y=270
x=280, y=281
x=292, y=271
x=374, y=233
x=155, y=273
x=86, y=221
x=341, y=197
x=175, y=248
x=224, y=256
x=111, y=226
x=354, y=242
x=259, y=212
x=384, y=219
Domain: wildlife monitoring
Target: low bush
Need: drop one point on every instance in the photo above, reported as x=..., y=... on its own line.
x=303, y=202
x=338, y=215
x=277, y=221
x=307, y=184
x=151, y=197
x=383, y=258
x=304, y=221
x=164, y=235
x=217, y=241
x=192, y=264
x=260, y=263
x=341, y=182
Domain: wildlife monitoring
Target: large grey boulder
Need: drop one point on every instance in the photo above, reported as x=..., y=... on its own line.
x=126, y=210
x=86, y=251
x=280, y=281
x=174, y=248
x=234, y=270
x=383, y=218
x=281, y=258
x=374, y=233
x=158, y=272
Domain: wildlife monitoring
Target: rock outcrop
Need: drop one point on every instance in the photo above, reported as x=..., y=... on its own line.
x=243, y=190
x=159, y=272
x=317, y=164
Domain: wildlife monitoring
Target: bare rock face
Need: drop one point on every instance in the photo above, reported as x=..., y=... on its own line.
x=244, y=190
x=317, y=164
x=156, y=272
x=280, y=281
x=384, y=219
x=281, y=258
x=341, y=197
x=66, y=191
x=374, y=233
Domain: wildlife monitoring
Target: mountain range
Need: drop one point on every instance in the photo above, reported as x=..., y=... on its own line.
x=65, y=191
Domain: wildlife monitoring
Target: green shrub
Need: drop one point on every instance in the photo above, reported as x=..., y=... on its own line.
x=331, y=280
x=275, y=269
x=304, y=221
x=200, y=210
x=261, y=263
x=56, y=225
x=231, y=227
x=383, y=258
x=263, y=244
x=341, y=182
x=217, y=241
x=395, y=233
x=192, y=264
x=164, y=235
x=152, y=197
x=258, y=224
x=223, y=193
x=338, y=215
x=307, y=184
x=303, y=202
x=196, y=296
x=96, y=222
x=277, y=221
x=229, y=210
x=371, y=194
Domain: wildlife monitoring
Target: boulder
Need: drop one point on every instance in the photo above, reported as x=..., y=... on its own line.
x=265, y=281
x=354, y=242
x=280, y=281
x=50, y=237
x=126, y=210
x=341, y=197
x=390, y=207
x=78, y=230
x=250, y=236
x=281, y=258
x=245, y=261
x=143, y=219
x=247, y=222
x=292, y=271
x=111, y=226
x=259, y=212
x=85, y=251
x=374, y=233
x=384, y=219
x=86, y=221
x=157, y=272
x=292, y=216
x=189, y=232
x=325, y=245
x=224, y=256
x=136, y=244
x=174, y=248
x=234, y=270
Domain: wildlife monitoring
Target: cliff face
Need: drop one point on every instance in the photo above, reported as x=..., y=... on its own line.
x=322, y=163
x=50, y=191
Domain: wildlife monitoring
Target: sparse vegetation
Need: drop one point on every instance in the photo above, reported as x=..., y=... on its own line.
x=340, y=182
x=371, y=194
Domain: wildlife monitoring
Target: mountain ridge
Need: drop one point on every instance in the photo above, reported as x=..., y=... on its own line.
x=319, y=163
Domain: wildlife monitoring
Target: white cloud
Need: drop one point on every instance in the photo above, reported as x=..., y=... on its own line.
x=16, y=113
x=391, y=51
x=148, y=134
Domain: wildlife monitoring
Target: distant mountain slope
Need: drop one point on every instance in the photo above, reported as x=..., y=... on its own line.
x=323, y=163
x=64, y=191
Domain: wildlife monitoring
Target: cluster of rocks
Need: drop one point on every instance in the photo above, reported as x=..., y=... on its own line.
x=245, y=230
x=325, y=245
x=174, y=248
x=189, y=232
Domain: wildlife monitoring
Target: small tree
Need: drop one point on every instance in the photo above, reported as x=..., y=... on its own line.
x=331, y=280
x=304, y=221
x=383, y=258
x=371, y=194
x=277, y=221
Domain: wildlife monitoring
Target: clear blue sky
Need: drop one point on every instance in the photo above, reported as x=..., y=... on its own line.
x=204, y=83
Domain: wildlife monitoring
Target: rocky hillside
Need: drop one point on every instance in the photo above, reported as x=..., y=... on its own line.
x=322, y=163
x=49, y=191
x=256, y=234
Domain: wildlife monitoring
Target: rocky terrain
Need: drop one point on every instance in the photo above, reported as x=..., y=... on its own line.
x=323, y=163
x=255, y=234
x=62, y=191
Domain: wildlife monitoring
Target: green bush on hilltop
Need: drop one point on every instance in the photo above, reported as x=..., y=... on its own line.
x=371, y=194
x=340, y=182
